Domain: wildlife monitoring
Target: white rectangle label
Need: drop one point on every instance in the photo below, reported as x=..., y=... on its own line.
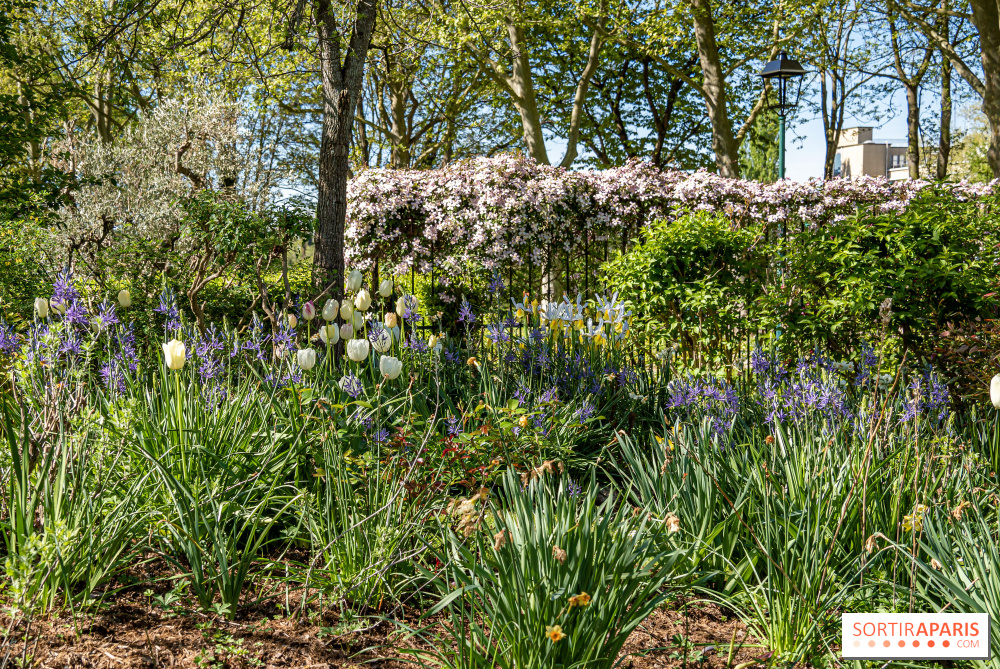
x=923, y=636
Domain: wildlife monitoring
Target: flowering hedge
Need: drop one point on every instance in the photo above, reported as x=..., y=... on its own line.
x=508, y=211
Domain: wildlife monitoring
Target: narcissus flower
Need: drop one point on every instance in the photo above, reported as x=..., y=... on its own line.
x=554, y=633
x=390, y=366
x=124, y=299
x=559, y=554
x=306, y=358
x=330, y=310
x=673, y=523
x=174, y=354
x=583, y=599
x=357, y=349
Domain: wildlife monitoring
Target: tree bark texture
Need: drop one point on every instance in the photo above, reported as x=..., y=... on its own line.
x=341, y=88
x=723, y=142
x=986, y=19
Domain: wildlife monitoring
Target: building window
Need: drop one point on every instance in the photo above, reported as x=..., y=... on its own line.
x=836, y=165
x=898, y=160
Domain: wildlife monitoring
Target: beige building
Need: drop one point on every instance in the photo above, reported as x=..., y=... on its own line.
x=858, y=153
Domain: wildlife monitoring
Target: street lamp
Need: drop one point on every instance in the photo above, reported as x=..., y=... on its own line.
x=783, y=69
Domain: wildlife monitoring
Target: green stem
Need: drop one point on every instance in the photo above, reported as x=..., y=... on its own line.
x=180, y=424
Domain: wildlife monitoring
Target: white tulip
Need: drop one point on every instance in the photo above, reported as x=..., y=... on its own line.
x=381, y=339
x=995, y=391
x=306, y=358
x=346, y=311
x=390, y=366
x=124, y=299
x=174, y=353
x=346, y=331
x=330, y=310
x=385, y=288
x=357, y=349
x=57, y=305
x=390, y=320
x=358, y=321
x=432, y=342
x=354, y=280
x=308, y=311
x=363, y=300
x=41, y=307
x=330, y=334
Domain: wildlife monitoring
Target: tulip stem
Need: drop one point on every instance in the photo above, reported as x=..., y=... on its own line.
x=180, y=424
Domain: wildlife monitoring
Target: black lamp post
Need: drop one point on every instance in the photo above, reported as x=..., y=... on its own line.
x=779, y=73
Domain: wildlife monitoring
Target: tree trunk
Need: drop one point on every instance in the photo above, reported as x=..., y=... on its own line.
x=523, y=87
x=912, y=129
x=986, y=19
x=723, y=142
x=944, y=141
x=341, y=88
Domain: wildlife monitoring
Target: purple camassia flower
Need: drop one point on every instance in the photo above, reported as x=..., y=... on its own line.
x=105, y=317
x=573, y=489
x=63, y=290
x=168, y=308
x=454, y=426
x=76, y=313
x=452, y=355
x=10, y=341
x=70, y=344
x=696, y=398
x=351, y=385
x=585, y=412
x=284, y=338
x=381, y=436
x=112, y=376
x=496, y=284
x=927, y=394
x=550, y=395
x=465, y=314
x=496, y=333
x=416, y=344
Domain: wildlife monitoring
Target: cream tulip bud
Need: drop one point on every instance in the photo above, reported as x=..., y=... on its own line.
x=306, y=358
x=363, y=300
x=401, y=306
x=174, y=354
x=330, y=310
x=330, y=334
x=346, y=311
x=995, y=391
x=357, y=349
x=354, y=280
x=390, y=320
x=385, y=288
x=41, y=307
x=124, y=299
x=390, y=366
x=292, y=321
x=308, y=311
x=432, y=342
x=358, y=321
x=57, y=305
x=380, y=338
x=346, y=331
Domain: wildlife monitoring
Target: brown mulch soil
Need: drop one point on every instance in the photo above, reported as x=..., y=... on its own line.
x=132, y=633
